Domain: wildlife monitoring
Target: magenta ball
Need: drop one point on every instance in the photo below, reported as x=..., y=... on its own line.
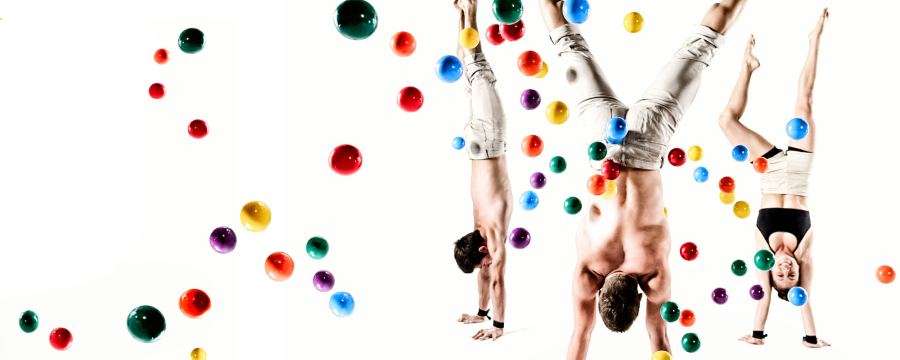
x=323, y=281
x=223, y=240
x=757, y=292
x=530, y=99
x=538, y=180
x=519, y=238
x=719, y=296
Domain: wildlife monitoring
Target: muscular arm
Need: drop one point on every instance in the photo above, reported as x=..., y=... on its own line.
x=484, y=289
x=584, y=298
x=495, y=240
x=806, y=279
x=658, y=291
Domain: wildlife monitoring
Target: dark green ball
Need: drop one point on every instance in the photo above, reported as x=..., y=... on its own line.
x=670, y=312
x=557, y=164
x=690, y=342
x=597, y=151
x=572, y=205
x=739, y=267
x=146, y=324
x=28, y=321
x=355, y=19
x=317, y=247
x=191, y=41
x=764, y=259
x=508, y=11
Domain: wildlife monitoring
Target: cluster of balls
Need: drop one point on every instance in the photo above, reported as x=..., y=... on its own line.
x=191, y=41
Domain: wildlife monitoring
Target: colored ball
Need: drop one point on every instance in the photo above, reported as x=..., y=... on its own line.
x=256, y=216
x=740, y=153
x=198, y=354
x=458, y=143
x=191, y=41
x=677, y=157
x=28, y=321
x=611, y=190
x=345, y=160
x=742, y=209
x=695, y=153
x=797, y=128
x=493, y=35
x=572, y=205
x=761, y=165
x=194, y=303
x=530, y=99
x=403, y=44
x=161, y=56
x=764, y=260
x=317, y=247
x=739, y=268
x=726, y=184
x=468, y=38
x=513, y=32
x=532, y=146
x=557, y=164
x=279, y=266
x=519, y=238
x=596, y=185
x=797, y=296
x=449, y=69
x=323, y=281
x=719, y=296
x=690, y=342
x=670, y=312
x=701, y=174
x=885, y=274
x=61, y=339
x=576, y=11
x=661, y=355
x=146, y=324
x=410, y=99
x=544, y=70
x=557, y=112
x=197, y=129
x=508, y=11
x=355, y=19
x=687, y=318
x=157, y=91
x=616, y=129
x=689, y=251
x=341, y=304
x=633, y=22
x=538, y=180
x=666, y=212
x=726, y=198
x=528, y=200
x=757, y=292
x=597, y=151
x=223, y=240
x=530, y=63
x=610, y=170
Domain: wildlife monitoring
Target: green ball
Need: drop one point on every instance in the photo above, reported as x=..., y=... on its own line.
x=572, y=205
x=508, y=11
x=191, y=41
x=146, y=324
x=355, y=19
x=597, y=151
x=764, y=259
x=28, y=321
x=739, y=267
x=670, y=312
x=317, y=248
x=557, y=164
x=690, y=342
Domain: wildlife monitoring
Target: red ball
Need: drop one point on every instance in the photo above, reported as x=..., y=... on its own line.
x=157, y=91
x=279, y=266
x=532, y=145
x=530, y=63
x=687, y=318
x=493, y=35
x=885, y=274
x=161, y=56
x=761, y=165
x=596, y=185
x=194, y=303
x=677, y=157
x=689, y=251
x=61, y=339
x=726, y=185
x=609, y=170
x=403, y=44
x=345, y=160
x=410, y=99
x=513, y=32
x=198, y=129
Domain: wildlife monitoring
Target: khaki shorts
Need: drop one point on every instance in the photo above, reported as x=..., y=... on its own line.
x=485, y=128
x=788, y=173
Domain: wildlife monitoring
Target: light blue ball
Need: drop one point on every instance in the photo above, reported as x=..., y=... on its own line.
x=528, y=200
x=341, y=304
x=797, y=128
x=577, y=11
x=458, y=143
x=616, y=129
x=701, y=174
x=449, y=69
x=798, y=296
x=740, y=153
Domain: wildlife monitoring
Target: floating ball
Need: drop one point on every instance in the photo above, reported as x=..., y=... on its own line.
x=529, y=63
x=508, y=11
x=528, y=200
x=544, y=70
x=740, y=153
x=677, y=157
x=323, y=281
x=532, y=146
x=345, y=160
x=557, y=112
x=28, y=321
x=576, y=11
x=616, y=129
x=597, y=151
x=726, y=198
x=449, y=69
x=513, y=32
x=633, y=22
x=797, y=296
x=317, y=247
x=687, y=318
x=458, y=143
x=157, y=91
x=761, y=165
x=610, y=170
x=279, y=266
x=885, y=274
x=519, y=238
x=194, y=303
x=538, y=180
x=197, y=129
x=572, y=205
x=557, y=164
x=403, y=44
x=695, y=153
x=726, y=184
x=764, y=260
x=739, y=268
x=146, y=324
x=161, y=56
x=493, y=35
x=355, y=19
x=797, y=128
x=468, y=38
x=701, y=175
x=757, y=292
x=341, y=304
x=670, y=312
x=661, y=355
x=61, y=339
x=719, y=296
x=611, y=190
x=689, y=251
x=223, y=240
x=191, y=41
x=596, y=185
x=690, y=342
x=666, y=212
x=256, y=216
x=530, y=99
x=742, y=209
x=410, y=99
x=198, y=354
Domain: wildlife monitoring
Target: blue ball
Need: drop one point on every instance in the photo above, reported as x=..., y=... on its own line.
x=701, y=174
x=449, y=69
x=616, y=129
x=797, y=128
x=798, y=296
x=341, y=304
x=740, y=153
x=458, y=143
x=528, y=200
x=576, y=11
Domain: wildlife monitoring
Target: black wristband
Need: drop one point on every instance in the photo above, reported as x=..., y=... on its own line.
x=498, y=324
x=811, y=339
x=759, y=335
x=484, y=313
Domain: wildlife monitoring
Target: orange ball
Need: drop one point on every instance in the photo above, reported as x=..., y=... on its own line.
x=596, y=185
x=532, y=145
x=687, y=318
x=726, y=185
x=761, y=165
x=530, y=63
x=161, y=56
x=403, y=44
x=885, y=274
x=279, y=266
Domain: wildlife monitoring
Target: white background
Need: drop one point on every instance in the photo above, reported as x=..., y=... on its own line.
x=108, y=203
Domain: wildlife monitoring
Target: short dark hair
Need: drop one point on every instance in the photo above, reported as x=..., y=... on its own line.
x=782, y=293
x=466, y=251
x=620, y=302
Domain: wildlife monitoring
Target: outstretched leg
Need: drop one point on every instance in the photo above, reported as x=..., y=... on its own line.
x=721, y=16
x=803, y=108
x=730, y=120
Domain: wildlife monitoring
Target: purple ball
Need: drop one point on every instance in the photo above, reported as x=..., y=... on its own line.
x=719, y=296
x=538, y=180
x=530, y=99
x=223, y=240
x=757, y=292
x=323, y=281
x=519, y=238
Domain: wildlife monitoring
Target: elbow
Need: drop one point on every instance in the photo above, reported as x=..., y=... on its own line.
x=726, y=120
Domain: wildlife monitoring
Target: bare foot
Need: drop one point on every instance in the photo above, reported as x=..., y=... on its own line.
x=466, y=5
x=820, y=26
x=750, y=61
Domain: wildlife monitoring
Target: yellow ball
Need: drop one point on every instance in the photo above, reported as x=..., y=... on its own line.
x=543, y=72
x=633, y=22
x=695, y=153
x=661, y=355
x=611, y=190
x=255, y=216
x=666, y=211
x=557, y=112
x=198, y=354
x=742, y=209
x=468, y=38
x=726, y=198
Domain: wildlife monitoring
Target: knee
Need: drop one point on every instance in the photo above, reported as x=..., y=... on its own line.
x=804, y=103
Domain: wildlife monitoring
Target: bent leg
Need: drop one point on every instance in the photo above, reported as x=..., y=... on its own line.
x=730, y=120
x=803, y=108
